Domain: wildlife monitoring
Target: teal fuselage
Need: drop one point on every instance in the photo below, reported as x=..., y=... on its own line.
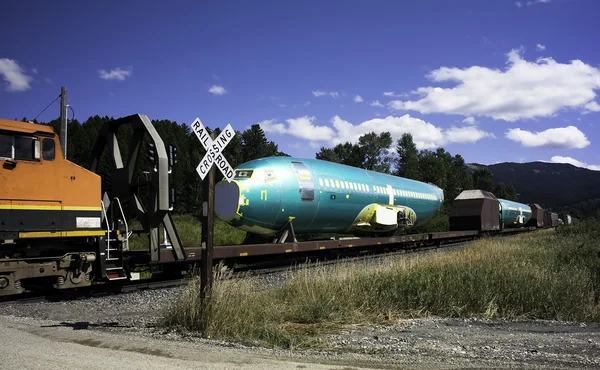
x=514, y=214
x=318, y=196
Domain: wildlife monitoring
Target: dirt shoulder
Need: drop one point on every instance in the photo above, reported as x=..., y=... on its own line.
x=431, y=343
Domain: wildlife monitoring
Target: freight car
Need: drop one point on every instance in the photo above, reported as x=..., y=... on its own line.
x=481, y=210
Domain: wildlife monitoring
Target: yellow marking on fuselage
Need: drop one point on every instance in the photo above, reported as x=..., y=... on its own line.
x=347, y=196
x=60, y=234
x=263, y=194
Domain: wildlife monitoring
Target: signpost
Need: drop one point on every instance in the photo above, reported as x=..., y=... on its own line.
x=213, y=157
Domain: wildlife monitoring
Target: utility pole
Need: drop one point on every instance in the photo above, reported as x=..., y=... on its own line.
x=63, y=120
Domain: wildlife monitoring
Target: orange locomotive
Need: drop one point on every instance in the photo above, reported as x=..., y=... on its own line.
x=60, y=227
x=43, y=199
x=43, y=195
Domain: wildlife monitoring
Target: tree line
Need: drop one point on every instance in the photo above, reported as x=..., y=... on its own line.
x=438, y=167
x=372, y=152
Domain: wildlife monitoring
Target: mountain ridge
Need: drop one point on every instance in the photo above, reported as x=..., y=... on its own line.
x=557, y=186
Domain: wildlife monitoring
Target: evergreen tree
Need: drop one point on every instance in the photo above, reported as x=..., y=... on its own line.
x=375, y=150
x=482, y=179
x=407, y=160
x=505, y=191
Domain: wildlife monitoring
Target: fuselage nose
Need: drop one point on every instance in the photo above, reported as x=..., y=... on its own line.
x=228, y=196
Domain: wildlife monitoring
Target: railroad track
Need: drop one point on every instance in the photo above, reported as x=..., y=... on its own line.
x=250, y=270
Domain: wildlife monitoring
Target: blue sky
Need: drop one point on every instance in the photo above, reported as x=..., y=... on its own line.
x=491, y=80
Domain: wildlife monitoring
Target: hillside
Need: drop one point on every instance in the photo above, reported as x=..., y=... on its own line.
x=552, y=185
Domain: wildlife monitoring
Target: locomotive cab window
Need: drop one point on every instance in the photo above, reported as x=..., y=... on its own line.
x=48, y=149
x=26, y=148
x=19, y=147
x=6, y=146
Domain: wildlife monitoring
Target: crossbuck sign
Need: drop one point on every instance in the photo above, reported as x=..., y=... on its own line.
x=214, y=150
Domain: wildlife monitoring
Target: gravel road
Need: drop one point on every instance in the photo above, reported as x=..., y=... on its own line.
x=117, y=331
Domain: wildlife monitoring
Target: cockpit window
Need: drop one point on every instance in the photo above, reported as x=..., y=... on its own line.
x=270, y=175
x=244, y=174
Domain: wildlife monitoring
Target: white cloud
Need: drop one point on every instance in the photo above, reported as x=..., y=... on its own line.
x=14, y=75
x=562, y=137
x=524, y=90
x=271, y=125
x=319, y=93
x=114, y=74
x=533, y=2
x=388, y=93
x=358, y=99
x=468, y=134
x=469, y=121
x=574, y=162
x=301, y=127
x=217, y=90
x=307, y=103
x=518, y=4
x=376, y=103
x=34, y=70
x=591, y=107
x=540, y=47
x=425, y=135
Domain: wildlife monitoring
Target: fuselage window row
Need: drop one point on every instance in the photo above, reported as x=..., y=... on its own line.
x=358, y=187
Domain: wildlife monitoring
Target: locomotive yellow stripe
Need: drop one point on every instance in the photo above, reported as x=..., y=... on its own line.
x=60, y=234
x=48, y=208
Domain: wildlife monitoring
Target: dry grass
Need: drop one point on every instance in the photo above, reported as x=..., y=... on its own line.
x=547, y=274
x=189, y=230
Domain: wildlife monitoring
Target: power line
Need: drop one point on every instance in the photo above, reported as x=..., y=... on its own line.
x=47, y=107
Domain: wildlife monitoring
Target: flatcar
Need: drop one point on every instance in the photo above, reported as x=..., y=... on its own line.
x=318, y=196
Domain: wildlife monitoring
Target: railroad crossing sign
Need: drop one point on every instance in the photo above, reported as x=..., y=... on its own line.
x=214, y=150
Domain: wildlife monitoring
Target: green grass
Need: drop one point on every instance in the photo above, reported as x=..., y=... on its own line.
x=189, y=229
x=548, y=274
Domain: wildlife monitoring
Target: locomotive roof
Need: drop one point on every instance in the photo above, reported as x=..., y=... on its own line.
x=28, y=127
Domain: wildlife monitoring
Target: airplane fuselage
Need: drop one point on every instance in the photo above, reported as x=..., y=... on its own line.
x=320, y=196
